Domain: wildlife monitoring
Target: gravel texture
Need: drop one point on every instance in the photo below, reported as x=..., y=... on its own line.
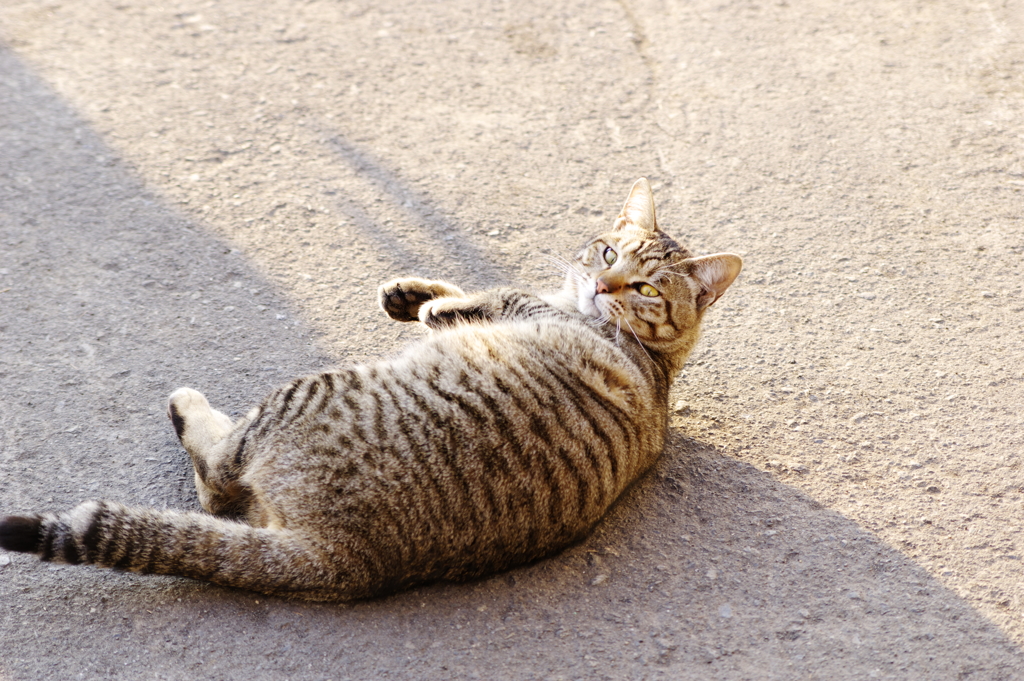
x=208, y=193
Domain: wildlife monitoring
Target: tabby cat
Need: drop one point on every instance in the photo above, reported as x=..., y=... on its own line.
x=501, y=438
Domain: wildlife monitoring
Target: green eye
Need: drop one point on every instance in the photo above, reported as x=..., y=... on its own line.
x=648, y=290
x=610, y=256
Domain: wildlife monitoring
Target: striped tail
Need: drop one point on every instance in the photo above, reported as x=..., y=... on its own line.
x=192, y=545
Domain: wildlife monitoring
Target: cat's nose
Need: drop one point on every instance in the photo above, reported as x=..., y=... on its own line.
x=604, y=286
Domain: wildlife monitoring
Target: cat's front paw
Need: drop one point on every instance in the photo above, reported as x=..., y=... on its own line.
x=401, y=299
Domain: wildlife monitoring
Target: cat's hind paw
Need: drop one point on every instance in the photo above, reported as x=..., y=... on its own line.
x=401, y=299
x=197, y=424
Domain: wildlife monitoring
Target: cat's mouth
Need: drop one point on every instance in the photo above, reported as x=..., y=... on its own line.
x=601, y=306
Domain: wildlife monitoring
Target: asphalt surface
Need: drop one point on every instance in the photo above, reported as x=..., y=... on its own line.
x=208, y=194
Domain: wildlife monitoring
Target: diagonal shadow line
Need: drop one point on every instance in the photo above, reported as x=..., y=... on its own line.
x=751, y=548
x=88, y=253
x=477, y=270
x=111, y=299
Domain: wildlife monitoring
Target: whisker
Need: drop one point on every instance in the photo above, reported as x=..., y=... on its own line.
x=560, y=258
x=668, y=271
x=638, y=340
x=569, y=267
x=661, y=276
x=668, y=268
x=567, y=271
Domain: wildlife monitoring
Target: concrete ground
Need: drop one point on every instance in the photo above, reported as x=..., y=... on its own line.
x=208, y=193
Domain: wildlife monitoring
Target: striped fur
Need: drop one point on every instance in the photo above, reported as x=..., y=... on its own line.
x=501, y=438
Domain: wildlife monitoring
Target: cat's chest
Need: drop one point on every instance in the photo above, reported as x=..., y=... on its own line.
x=539, y=353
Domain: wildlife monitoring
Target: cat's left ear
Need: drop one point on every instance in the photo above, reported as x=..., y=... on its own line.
x=639, y=208
x=714, y=273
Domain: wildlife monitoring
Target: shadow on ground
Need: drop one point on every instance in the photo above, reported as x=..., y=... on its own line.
x=708, y=568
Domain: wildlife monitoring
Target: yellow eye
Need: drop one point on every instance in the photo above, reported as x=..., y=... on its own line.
x=648, y=290
x=610, y=256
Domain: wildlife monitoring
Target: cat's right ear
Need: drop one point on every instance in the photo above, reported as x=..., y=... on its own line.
x=639, y=208
x=714, y=273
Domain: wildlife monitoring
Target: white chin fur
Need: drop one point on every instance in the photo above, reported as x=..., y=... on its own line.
x=586, y=305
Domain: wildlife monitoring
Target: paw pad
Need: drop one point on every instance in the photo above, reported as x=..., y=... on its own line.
x=401, y=301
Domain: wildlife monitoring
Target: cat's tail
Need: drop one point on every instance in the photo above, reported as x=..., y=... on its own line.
x=187, y=544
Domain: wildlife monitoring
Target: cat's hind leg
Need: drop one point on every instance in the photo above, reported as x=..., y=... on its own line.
x=198, y=425
x=201, y=429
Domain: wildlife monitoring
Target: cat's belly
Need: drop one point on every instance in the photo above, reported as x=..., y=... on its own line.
x=475, y=450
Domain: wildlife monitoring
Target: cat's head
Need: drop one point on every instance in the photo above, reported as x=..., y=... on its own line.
x=635, y=277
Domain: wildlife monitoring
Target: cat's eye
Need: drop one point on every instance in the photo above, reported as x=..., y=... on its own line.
x=648, y=290
x=610, y=256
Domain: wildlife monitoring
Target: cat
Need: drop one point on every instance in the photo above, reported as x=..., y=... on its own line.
x=501, y=438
